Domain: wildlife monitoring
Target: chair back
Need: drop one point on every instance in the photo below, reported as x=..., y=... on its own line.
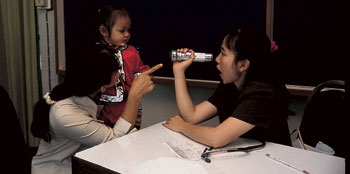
x=323, y=121
x=16, y=158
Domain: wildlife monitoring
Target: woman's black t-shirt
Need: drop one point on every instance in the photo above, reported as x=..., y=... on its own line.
x=260, y=104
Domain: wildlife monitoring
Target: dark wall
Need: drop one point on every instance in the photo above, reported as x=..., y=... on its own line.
x=311, y=37
x=159, y=26
x=310, y=34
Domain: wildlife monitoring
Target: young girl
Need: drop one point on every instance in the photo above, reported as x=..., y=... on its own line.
x=251, y=101
x=114, y=27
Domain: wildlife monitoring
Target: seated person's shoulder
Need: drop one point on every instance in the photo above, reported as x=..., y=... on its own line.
x=70, y=109
x=261, y=89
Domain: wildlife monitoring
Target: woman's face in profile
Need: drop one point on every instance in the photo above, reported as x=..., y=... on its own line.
x=229, y=71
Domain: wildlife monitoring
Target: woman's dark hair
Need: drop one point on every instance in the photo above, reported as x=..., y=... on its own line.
x=94, y=71
x=107, y=15
x=251, y=43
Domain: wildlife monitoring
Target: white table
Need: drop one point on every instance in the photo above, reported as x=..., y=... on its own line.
x=121, y=154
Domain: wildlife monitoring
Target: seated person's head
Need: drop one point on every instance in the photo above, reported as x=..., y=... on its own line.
x=97, y=68
x=250, y=43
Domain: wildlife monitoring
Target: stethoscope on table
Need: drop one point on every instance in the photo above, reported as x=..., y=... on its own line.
x=211, y=150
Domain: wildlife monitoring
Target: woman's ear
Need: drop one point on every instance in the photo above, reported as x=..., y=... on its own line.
x=103, y=89
x=103, y=30
x=244, y=65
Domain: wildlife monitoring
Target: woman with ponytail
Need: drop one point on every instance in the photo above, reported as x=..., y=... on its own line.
x=65, y=119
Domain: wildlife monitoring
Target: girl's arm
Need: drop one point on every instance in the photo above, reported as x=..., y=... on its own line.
x=139, y=66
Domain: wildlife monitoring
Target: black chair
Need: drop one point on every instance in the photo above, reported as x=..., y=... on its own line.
x=16, y=156
x=324, y=117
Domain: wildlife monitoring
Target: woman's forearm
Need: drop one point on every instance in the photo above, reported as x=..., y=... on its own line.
x=202, y=134
x=131, y=108
x=183, y=100
x=141, y=85
x=217, y=136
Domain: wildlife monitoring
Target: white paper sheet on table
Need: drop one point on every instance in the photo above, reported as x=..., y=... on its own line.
x=192, y=150
x=186, y=149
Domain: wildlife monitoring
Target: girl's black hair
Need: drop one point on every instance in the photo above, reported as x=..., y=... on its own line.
x=94, y=71
x=107, y=15
x=251, y=43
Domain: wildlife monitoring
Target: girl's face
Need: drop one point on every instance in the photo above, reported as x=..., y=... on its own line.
x=120, y=32
x=227, y=65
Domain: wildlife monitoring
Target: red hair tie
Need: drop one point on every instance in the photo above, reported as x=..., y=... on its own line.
x=274, y=46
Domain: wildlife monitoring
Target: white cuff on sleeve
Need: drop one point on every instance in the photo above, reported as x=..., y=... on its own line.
x=121, y=127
